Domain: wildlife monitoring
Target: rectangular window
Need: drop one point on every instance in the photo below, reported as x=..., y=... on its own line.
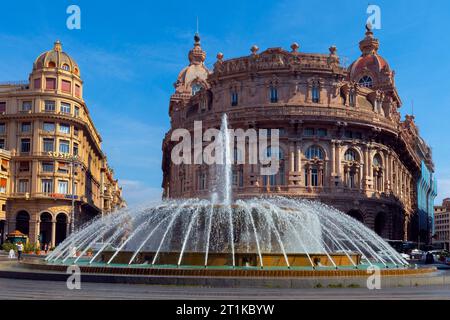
x=308, y=132
x=314, y=178
x=66, y=86
x=22, y=186
x=3, y=183
x=315, y=94
x=49, y=127
x=37, y=83
x=25, y=145
x=77, y=112
x=75, y=149
x=63, y=187
x=348, y=134
x=64, y=128
x=357, y=135
x=26, y=106
x=77, y=91
x=47, y=186
x=273, y=95
x=75, y=131
x=50, y=83
x=2, y=144
x=234, y=98
x=49, y=145
x=49, y=106
x=65, y=108
x=322, y=132
x=63, y=167
x=24, y=166
x=2, y=107
x=64, y=146
x=26, y=127
x=47, y=167
x=2, y=128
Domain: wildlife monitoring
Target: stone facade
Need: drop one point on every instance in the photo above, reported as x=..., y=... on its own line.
x=442, y=224
x=54, y=151
x=342, y=138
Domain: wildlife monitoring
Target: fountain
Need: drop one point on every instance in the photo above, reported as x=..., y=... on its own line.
x=261, y=233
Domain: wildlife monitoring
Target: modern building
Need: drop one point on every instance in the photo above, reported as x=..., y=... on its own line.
x=442, y=225
x=342, y=138
x=51, y=154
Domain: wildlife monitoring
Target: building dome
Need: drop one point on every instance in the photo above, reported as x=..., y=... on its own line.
x=56, y=58
x=193, y=77
x=370, y=64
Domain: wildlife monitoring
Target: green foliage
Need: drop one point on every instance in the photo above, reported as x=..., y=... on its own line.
x=7, y=246
x=29, y=248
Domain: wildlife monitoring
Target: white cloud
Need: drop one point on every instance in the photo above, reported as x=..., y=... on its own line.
x=138, y=193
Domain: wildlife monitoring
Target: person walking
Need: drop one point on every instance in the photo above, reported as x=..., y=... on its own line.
x=19, y=251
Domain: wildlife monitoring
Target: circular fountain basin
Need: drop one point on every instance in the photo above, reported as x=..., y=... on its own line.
x=257, y=233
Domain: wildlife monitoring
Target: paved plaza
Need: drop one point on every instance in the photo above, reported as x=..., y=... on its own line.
x=30, y=289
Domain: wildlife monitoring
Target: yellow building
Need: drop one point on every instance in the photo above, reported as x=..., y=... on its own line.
x=55, y=153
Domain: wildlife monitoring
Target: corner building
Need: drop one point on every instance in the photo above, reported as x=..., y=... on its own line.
x=342, y=139
x=51, y=153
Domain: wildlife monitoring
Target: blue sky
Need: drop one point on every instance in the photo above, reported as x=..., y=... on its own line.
x=130, y=54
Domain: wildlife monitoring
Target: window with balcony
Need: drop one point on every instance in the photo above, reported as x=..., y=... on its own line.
x=26, y=127
x=24, y=166
x=64, y=146
x=22, y=187
x=2, y=128
x=2, y=107
x=63, y=186
x=26, y=106
x=65, y=67
x=25, y=145
x=49, y=106
x=64, y=128
x=65, y=108
x=50, y=83
x=48, y=167
x=47, y=186
x=49, y=145
x=66, y=86
x=49, y=127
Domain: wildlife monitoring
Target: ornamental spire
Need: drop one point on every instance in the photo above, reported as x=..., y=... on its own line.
x=197, y=55
x=369, y=45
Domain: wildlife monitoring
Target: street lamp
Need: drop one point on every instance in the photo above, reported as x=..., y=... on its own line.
x=73, y=164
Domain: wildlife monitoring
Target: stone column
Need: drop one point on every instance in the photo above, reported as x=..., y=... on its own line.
x=34, y=225
x=53, y=244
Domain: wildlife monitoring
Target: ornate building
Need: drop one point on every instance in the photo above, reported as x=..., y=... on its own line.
x=54, y=154
x=342, y=139
x=442, y=225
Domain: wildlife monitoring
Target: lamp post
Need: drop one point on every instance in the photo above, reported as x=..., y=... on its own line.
x=73, y=162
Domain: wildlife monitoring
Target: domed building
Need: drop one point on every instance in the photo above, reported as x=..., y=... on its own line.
x=342, y=139
x=56, y=174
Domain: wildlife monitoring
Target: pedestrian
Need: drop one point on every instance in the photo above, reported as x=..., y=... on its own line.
x=19, y=251
x=46, y=248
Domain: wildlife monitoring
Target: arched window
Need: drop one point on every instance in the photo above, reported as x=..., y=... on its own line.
x=277, y=179
x=23, y=222
x=350, y=155
x=51, y=64
x=377, y=171
x=315, y=167
x=314, y=152
x=196, y=87
x=66, y=67
x=315, y=96
x=366, y=81
x=351, y=169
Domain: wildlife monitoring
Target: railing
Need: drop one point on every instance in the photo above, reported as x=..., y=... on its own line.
x=14, y=83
